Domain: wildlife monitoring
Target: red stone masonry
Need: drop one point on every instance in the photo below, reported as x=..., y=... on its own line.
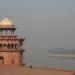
x=11, y=47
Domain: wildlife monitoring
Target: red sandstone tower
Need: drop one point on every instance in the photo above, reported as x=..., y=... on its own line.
x=11, y=51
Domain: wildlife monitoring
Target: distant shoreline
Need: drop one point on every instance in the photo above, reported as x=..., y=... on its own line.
x=61, y=55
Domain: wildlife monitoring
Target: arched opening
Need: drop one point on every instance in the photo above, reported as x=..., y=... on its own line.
x=1, y=60
x=3, y=32
x=1, y=46
x=9, y=32
x=4, y=45
x=16, y=46
x=12, y=46
x=8, y=46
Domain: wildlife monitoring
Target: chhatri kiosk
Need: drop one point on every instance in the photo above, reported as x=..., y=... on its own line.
x=11, y=51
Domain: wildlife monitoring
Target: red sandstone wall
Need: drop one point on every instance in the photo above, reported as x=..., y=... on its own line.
x=9, y=56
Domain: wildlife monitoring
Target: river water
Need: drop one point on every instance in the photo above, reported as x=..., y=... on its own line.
x=51, y=62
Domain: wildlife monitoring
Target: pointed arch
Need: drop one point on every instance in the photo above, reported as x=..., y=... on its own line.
x=8, y=46
x=12, y=46
x=1, y=60
x=1, y=46
x=16, y=46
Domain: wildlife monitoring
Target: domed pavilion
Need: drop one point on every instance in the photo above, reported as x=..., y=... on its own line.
x=11, y=46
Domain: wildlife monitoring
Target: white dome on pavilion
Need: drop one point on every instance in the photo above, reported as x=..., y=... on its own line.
x=6, y=23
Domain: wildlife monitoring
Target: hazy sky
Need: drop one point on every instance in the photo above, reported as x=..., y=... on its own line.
x=44, y=23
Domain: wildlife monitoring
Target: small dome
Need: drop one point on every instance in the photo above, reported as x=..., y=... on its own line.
x=6, y=23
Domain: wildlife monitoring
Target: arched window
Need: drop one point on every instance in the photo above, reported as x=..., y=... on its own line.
x=1, y=60
x=1, y=45
x=4, y=45
x=9, y=32
x=12, y=46
x=16, y=46
x=8, y=46
x=3, y=32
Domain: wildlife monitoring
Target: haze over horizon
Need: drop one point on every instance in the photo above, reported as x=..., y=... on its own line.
x=44, y=23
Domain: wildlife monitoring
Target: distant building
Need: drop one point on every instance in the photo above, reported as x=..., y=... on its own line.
x=11, y=51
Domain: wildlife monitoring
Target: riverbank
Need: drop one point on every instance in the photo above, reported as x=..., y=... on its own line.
x=33, y=71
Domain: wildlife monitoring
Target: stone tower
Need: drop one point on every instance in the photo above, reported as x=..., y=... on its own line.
x=11, y=51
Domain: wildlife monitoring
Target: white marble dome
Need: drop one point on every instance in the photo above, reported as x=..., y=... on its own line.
x=6, y=23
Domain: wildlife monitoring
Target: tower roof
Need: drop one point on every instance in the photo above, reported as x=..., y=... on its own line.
x=6, y=23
